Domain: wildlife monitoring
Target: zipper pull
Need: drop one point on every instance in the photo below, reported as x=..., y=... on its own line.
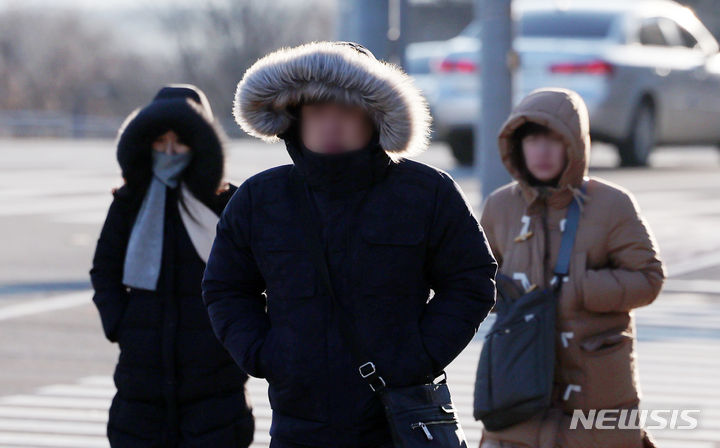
x=425, y=429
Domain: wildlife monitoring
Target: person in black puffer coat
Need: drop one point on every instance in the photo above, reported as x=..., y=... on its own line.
x=393, y=230
x=176, y=384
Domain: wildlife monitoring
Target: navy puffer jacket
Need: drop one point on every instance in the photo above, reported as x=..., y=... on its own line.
x=413, y=232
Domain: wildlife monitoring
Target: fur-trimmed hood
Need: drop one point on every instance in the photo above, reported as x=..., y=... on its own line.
x=185, y=109
x=565, y=112
x=333, y=71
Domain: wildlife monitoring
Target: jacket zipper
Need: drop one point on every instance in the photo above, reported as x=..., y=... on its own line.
x=426, y=430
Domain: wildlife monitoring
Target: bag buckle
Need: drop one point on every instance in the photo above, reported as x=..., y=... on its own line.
x=369, y=365
x=443, y=380
x=368, y=369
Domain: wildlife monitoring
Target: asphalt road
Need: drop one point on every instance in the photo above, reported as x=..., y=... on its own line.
x=54, y=376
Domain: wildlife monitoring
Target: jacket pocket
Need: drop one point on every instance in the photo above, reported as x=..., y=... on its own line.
x=295, y=368
x=300, y=393
x=121, y=323
x=288, y=270
x=267, y=366
x=610, y=351
x=393, y=256
x=410, y=363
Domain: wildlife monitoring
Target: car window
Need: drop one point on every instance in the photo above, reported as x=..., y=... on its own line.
x=671, y=30
x=573, y=24
x=651, y=33
x=472, y=30
x=556, y=24
x=687, y=39
x=663, y=31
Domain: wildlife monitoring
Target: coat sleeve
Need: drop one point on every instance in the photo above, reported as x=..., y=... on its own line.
x=233, y=286
x=487, y=222
x=106, y=274
x=635, y=273
x=461, y=271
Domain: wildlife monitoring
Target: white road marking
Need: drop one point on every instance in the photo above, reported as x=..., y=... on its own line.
x=87, y=415
x=51, y=440
x=55, y=402
x=37, y=306
x=695, y=264
x=696, y=286
x=44, y=426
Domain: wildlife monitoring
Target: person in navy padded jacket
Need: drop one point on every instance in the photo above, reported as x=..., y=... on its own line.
x=393, y=230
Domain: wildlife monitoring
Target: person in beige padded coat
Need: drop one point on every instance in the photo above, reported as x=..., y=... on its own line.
x=615, y=267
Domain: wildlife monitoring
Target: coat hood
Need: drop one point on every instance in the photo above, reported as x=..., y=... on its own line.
x=341, y=72
x=185, y=109
x=565, y=112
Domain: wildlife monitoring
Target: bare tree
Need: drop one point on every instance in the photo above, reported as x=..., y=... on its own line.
x=78, y=65
x=61, y=61
x=220, y=41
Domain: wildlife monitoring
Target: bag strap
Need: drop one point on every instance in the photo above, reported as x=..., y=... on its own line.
x=311, y=226
x=572, y=219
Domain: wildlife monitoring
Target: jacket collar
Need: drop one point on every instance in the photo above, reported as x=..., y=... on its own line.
x=338, y=174
x=556, y=197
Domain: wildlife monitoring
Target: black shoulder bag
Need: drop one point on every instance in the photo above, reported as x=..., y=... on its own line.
x=420, y=415
x=517, y=362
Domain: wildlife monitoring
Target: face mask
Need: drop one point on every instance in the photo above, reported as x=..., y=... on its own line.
x=168, y=167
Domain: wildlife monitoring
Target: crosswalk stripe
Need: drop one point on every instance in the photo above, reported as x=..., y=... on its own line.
x=58, y=402
x=45, y=207
x=51, y=440
x=43, y=426
x=97, y=381
x=87, y=415
x=76, y=391
x=44, y=305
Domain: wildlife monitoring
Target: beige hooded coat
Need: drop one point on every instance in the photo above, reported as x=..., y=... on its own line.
x=614, y=268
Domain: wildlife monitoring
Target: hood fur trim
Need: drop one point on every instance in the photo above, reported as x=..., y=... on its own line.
x=337, y=72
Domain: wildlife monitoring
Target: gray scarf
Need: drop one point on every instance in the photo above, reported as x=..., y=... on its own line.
x=144, y=252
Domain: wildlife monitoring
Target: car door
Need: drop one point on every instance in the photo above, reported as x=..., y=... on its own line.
x=710, y=105
x=690, y=84
x=672, y=65
x=702, y=89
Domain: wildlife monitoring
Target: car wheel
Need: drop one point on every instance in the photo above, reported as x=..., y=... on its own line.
x=462, y=145
x=636, y=149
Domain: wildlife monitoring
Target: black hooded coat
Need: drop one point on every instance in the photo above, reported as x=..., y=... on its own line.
x=176, y=384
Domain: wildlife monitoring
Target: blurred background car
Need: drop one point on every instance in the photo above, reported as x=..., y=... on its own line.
x=649, y=72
